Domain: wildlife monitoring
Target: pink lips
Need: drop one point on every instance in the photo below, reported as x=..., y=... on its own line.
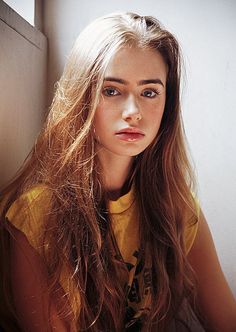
x=130, y=134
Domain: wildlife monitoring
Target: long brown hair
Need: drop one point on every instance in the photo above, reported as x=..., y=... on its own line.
x=77, y=227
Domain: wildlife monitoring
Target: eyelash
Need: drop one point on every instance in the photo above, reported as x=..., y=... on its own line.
x=157, y=93
x=117, y=92
x=105, y=90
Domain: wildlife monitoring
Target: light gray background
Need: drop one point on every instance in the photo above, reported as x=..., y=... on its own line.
x=206, y=32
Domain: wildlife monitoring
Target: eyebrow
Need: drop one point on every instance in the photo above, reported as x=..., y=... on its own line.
x=142, y=82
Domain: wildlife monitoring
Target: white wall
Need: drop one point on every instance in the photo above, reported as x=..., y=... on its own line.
x=206, y=31
x=23, y=73
x=24, y=8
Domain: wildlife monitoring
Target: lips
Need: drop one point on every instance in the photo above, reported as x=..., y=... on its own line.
x=130, y=134
x=130, y=130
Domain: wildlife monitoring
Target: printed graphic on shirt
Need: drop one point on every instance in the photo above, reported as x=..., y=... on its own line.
x=136, y=293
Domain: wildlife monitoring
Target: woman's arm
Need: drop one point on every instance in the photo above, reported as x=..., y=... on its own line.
x=214, y=295
x=36, y=311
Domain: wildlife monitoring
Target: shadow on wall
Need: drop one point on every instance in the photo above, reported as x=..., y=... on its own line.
x=23, y=79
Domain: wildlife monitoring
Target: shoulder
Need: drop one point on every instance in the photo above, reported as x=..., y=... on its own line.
x=29, y=212
x=214, y=294
x=33, y=203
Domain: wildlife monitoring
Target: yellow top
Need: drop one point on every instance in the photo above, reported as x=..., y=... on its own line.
x=124, y=217
x=28, y=214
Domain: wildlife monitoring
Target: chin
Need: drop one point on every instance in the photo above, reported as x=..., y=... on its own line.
x=133, y=153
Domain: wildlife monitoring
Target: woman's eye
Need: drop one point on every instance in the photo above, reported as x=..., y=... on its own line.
x=110, y=92
x=150, y=93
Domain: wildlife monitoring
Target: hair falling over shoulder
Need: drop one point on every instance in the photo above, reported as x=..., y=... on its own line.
x=64, y=159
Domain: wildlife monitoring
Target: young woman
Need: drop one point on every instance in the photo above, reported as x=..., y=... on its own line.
x=101, y=230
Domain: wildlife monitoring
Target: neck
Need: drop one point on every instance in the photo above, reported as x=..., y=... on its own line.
x=116, y=171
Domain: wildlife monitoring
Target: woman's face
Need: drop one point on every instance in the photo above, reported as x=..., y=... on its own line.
x=132, y=102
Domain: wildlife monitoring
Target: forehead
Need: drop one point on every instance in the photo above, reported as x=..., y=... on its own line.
x=139, y=63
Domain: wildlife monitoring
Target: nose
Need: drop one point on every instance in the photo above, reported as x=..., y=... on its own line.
x=131, y=110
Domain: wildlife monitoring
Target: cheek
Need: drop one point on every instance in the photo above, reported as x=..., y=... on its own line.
x=106, y=114
x=99, y=115
x=102, y=120
x=97, y=121
x=156, y=116
x=155, y=120
x=155, y=109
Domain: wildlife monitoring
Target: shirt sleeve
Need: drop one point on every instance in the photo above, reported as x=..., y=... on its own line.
x=191, y=227
x=28, y=214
